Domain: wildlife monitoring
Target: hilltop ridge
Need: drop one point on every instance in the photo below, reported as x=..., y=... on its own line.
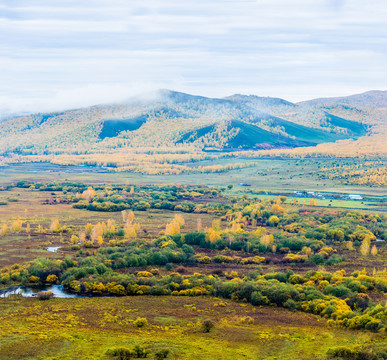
x=373, y=98
x=170, y=118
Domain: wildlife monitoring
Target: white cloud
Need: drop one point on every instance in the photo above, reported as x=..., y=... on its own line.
x=78, y=53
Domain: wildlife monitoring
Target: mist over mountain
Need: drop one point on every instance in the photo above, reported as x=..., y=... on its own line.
x=169, y=118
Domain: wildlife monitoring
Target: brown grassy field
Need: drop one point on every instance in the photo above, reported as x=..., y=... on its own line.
x=31, y=208
x=86, y=328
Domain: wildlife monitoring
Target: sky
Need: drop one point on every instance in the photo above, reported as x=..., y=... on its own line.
x=57, y=55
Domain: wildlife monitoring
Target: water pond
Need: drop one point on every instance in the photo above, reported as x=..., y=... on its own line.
x=53, y=249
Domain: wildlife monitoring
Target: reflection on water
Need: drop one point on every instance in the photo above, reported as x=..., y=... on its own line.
x=53, y=249
x=29, y=291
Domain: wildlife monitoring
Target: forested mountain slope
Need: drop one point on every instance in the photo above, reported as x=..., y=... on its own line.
x=167, y=119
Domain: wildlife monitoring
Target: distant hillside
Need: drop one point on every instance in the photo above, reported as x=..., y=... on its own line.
x=238, y=134
x=172, y=119
x=304, y=115
x=373, y=99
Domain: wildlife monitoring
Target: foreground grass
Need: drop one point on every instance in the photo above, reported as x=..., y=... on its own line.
x=86, y=328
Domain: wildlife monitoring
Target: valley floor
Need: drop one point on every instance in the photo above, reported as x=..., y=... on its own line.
x=287, y=253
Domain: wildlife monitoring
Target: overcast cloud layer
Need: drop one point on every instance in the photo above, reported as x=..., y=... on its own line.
x=63, y=54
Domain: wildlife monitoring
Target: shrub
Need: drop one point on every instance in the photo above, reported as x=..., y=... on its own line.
x=374, y=325
x=195, y=238
x=273, y=220
x=247, y=320
x=140, y=352
x=338, y=291
x=140, y=322
x=162, y=354
x=296, y=279
x=334, y=259
x=258, y=299
x=44, y=295
x=145, y=274
x=155, y=271
x=53, y=279
x=122, y=353
x=181, y=269
x=343, y=352
x=207, y=326
x=291, y=305
x=317, y=259
x=356, y=353
x=204, y=260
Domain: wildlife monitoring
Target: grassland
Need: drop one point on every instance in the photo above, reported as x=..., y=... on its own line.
x=32, y=208
x=86, y=328
x=266, y=174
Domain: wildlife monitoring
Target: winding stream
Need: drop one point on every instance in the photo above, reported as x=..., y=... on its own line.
x=31, y=291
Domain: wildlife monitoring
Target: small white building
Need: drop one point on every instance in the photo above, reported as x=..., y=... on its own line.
x=355, y=197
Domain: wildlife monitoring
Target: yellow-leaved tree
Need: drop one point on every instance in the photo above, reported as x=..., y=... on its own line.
x=267, y=240
x=180, y=220
x=130, y=230
x=172, y=228
x=365, y=245
x=16, y=226
x=4, y=230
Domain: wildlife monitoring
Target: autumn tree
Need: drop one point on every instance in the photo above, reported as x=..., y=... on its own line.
x=266, y=240
x=88, y=194
x=180, y=220
x=199, y=225
x=4, y=230
x=172, y=228
x=349, y=245
x=277, y=209
x=130, y=230
x=82, y=237
x=88, y=229
x=16, y=226
x=365, y=246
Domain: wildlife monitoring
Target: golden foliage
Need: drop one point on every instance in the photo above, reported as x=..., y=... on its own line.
x=374, y=250
x=267, y=240
x=130, y=230
x=16, y=226
x=365, y=246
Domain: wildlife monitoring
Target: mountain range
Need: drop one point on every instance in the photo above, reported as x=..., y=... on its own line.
x=168, y=118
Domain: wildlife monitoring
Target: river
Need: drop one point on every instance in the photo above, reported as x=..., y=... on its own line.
x=32, y=291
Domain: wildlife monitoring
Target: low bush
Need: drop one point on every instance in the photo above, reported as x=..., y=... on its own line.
x=140, y=322
x=122, y=353
x=44, y=295
x=162, y=354
x=207, y=326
